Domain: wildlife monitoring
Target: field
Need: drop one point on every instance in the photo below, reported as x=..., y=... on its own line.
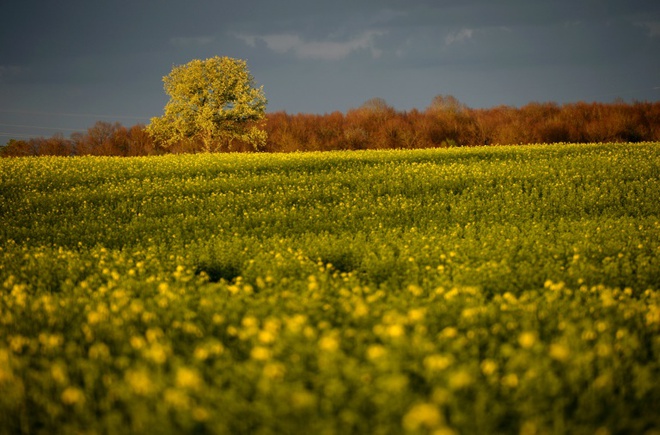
x=480, y=290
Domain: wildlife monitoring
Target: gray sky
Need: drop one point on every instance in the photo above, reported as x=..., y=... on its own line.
x=64, y=65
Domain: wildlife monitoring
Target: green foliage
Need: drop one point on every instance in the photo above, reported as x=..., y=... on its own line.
x=213, y=101
x=484, y=290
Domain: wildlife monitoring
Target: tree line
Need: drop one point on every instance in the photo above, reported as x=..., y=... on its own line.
x=446, y=122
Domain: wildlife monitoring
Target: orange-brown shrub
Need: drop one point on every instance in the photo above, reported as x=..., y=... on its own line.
x=376, y=125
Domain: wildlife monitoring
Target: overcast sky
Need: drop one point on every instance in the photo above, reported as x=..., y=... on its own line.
x=66, y=64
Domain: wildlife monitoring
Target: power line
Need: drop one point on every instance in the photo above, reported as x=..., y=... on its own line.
x=40, y=127
x=628, y=92
x=79, y=115
x=3, y=134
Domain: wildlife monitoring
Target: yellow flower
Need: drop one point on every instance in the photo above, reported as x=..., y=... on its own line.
x=601, y=326
x=653, y=315
x=448, y=332
x=437, y=362
x=361, y=309
x=99, y=351
x=395, y=331
x=188, y=378
x=550, y=285
x=422, y=415
x=272, y=325
x=139, y=381
x=57, y=372
x=274, y=370
x=415, y=290
x=416, y=314
x=302, y=399
x=329, y=343
x=266, y=337
x=156, y=353
x=527, y=339
x=559, y=352
x=154, y=334
x=50, y=341
x=137, y=342
x=19, y=294
x=72, y=395
x=177, y=398
x=460, y=379
x=250, y=322
x=470, y=312
x=192, y=329
x=510, y=380
x=295, y=323
x=509, y=297
x=603, y=381
x=260, y=353
x=201, y=353
x=588, y=335
x=488, y=367
x=375, y=351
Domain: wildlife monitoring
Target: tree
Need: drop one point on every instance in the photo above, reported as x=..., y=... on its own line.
x=212, y=101
x=446, y=103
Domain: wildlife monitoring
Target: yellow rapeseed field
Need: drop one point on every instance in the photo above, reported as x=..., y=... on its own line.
x=480, y=290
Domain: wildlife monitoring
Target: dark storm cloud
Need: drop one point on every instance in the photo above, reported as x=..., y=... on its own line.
x=39, y=32
x=501, y=33
x=318, y=56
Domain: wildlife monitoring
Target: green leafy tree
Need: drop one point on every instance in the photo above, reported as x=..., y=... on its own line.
x=213, y=101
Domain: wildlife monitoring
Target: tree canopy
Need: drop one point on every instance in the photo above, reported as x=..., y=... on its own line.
x=213, y=101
